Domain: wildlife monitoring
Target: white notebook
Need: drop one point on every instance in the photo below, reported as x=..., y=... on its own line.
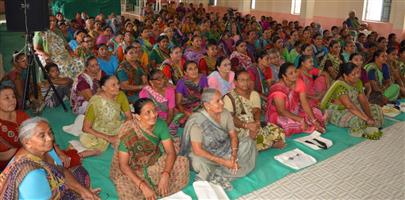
x=295, y=159
x=208, y=191
x=177, y=196
x=78, y=146
x=315, y=141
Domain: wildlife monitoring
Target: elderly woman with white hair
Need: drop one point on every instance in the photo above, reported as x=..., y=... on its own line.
x=211, y=142
x=37, y=163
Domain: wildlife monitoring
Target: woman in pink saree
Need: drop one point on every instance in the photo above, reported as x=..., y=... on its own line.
x=288, y=106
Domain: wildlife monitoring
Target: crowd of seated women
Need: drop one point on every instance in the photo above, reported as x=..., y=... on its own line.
x=183, y=90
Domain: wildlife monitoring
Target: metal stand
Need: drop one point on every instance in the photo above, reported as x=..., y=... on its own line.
x=33, y=65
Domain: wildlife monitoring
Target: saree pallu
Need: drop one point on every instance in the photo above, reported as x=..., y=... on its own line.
x=162, y=106
x=172, y=71
x=194, y=55
x=293, y=105
x=14, y=174
x=148, y=164
x=54, y=45
x=243, y=60
x=134, y=74
x=336, y=62
x=341, y=116
x=107, y=120
x=391, y=92
x=158, y=55
x=216, y=141
x=78, y=102
x=266, y=136
x=191, y=102
x=314, y=86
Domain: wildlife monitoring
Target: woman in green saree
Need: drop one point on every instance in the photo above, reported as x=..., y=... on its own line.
x=347, y=105
x=103, y=116
x=160, y=52
x=140, y=170
x=380, y=77
x=332, y=61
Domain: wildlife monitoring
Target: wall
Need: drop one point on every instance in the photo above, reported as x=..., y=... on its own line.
x=325, y=12
x=2, y=7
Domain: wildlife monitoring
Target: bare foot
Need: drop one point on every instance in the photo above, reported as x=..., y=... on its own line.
x=279, y=144
x=88, y=153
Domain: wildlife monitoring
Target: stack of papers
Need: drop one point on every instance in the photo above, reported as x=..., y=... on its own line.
x=208, y=191
x=177, y=196
x=76, y=144
x=390, y=111
x=295, y=159
x=315, y=141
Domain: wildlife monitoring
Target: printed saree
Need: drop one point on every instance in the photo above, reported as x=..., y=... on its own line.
x=107, y=120
x=266, y=136
x=342, y=117
x=148, y=163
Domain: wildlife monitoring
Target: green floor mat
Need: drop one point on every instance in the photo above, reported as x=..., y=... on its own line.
x=267, y=171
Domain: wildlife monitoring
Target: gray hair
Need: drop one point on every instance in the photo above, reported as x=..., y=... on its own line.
x=208, y=94
x=27, y=127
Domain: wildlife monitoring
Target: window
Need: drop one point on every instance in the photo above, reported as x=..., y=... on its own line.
x=296, y=7
x=253, y=4
x=212, y=2
x=377, y=10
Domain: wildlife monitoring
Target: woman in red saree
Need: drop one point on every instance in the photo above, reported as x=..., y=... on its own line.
x=316, y=81
x=10, y=120
x=288, y=106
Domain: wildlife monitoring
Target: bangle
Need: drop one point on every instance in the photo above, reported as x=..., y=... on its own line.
x=214, y=159
x=140, y=183
x=166, y=173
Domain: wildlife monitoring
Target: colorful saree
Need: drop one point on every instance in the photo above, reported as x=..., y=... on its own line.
x=315, y=84
x=267, y=134
x=13, y=176
x=216, y=81
x=191, y=96
x=194, y=55
x=148, y=163
x=330, y=60
x=78, y=102
x=342, y=117
x=293, y=105
x=127, y=72
x=172, y=71
x=106, y=117
x=54, y=46
x=391, y=92
x=158, y=55
x=9, y=135
x=206, y=65
x=243, y=60
x=162, y=103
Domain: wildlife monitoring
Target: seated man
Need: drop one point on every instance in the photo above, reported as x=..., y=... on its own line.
x=244, y=105
x=211, y=142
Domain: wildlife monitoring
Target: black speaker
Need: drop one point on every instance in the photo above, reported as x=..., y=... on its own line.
x=27, y=15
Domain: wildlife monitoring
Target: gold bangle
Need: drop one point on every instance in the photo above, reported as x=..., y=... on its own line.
x=140, y=183
x=166, y=173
